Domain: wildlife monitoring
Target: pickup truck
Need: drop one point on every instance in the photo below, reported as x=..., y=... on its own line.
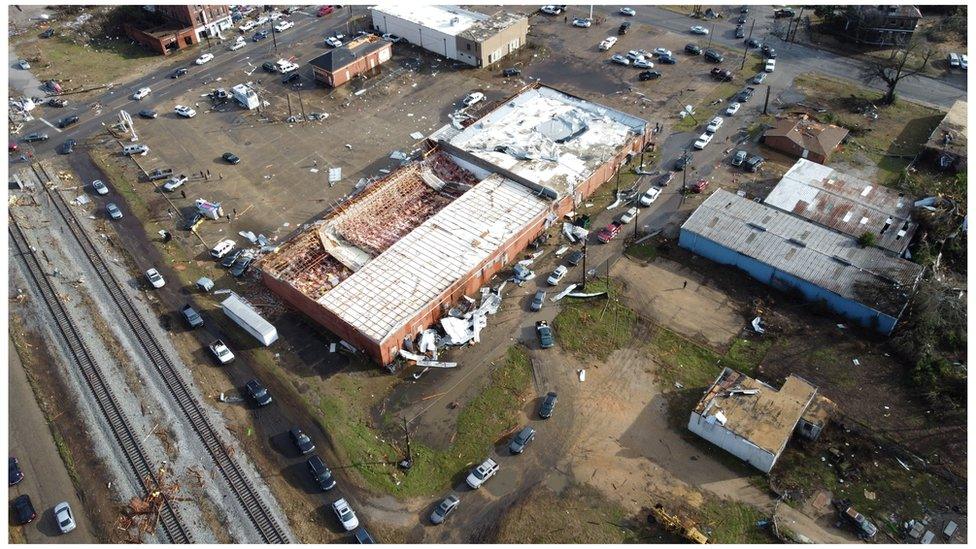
x=607, y=233
x=746, y=94
x=192, y=317
x=480, y=474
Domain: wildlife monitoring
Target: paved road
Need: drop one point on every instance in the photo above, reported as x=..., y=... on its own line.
x=307, y=26
x=46, y=480
x=796, y=58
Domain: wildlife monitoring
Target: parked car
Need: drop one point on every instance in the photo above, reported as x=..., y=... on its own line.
x=221, y=351
x=241, y=264
x=557, y=275
x=784, y=12
x=768, y=51
x=302, y=441
x=260, y=35
x=99, y=187
x=113, y=211
x=64, y=517
x=742, y=20
x=192, y=222
x=269, y=66
x=607, y=43
x=582, y=22
x=714, y=56
x=521, y=440
x=753, y=163
x=333, y=42
x=698, y=29
x=148, y=113
x=643, y=63
x=155, y=279
x=205, y=58
x=682, y=162
x=575, y=258
x=222, y=248
x=228, y=260
x=739, y=157
x=866, y=530
x=24, y=65
x=67, y=121
x=68, y=146
x=48, y=33
x=238, y=44
x=693, y=49
x=392, y=38
x=346, y=515
x=607, y=233
x=174, y=182
x=703, y=140
x=23, y=509
x=511, y=71
x=699, y=186
x=551, y=10
x=282, y=26
x=628, y=216
x=770, y=65
x=544, y=332
x=662, y=51
x=324, y=10
x=321, y=474
x=964, y=62
x=247, y=26
x=179, y=72
x=649, y=196
x=473, y=99
x=14, y=474
x=753, y=43
x=759, y=78
x=538, y=301
x=746, y=94
x=548, y=405
x=722, y=75
x=740, y=32
x=184, y=111
x=733, y=108
x=140, y=93
x=362, y=536
x=623, y=28
x=667, y=59
x=444, y=508
x=620, y=59
x=629, y=12
x=232, y=158
x=480, y=474
x=191, y=316
x=32, y=137
x=714, y=124
x=258, y=393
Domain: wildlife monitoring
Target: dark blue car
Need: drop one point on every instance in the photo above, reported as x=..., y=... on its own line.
x=261, y=35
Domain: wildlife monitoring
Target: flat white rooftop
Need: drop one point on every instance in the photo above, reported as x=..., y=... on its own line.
x=450, y=20
x=390, y=290
x=550, y=138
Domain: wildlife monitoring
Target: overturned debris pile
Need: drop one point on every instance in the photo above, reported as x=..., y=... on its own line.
x=141, y=515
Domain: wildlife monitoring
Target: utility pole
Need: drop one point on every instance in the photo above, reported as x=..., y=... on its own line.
x=583, y=284
x=636, y=220
x=407, y=462
x=300, y=103
x=274, y=37
x=710, y=33
x=766, y=104
x=288, y=97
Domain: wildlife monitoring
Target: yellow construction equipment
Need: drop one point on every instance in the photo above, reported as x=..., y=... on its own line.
x=677, y=525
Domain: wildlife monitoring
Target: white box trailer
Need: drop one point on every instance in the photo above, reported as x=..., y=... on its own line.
x=241, y=312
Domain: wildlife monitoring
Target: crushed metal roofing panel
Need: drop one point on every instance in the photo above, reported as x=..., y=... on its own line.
x=767, y=417
x=823, y=257
x=549, y=138
x=845, y=203
x=390, y=290
x=450, y=20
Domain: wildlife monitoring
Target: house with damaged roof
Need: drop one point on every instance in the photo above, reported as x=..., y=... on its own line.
x=805, y=138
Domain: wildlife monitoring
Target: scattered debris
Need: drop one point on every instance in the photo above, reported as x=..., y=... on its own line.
x=757, y=326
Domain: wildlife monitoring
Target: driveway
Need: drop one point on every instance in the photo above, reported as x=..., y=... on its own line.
x=46, y=479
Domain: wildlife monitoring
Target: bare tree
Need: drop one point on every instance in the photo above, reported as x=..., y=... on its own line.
x=896, y=68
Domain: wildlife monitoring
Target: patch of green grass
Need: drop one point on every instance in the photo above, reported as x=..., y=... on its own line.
x=595, y=327
x=733, y=522
x=749, y=351
x=65, y=452
x=693, y=365
x=580, y=514
x=722, y=90
x=492, y=413
x=645, y=251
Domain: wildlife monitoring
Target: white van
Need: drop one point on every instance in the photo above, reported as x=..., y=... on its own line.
x=222, y=248
x=954, y=60
x=130, y=150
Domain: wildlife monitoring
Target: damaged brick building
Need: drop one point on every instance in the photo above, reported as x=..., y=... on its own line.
x=392, y=260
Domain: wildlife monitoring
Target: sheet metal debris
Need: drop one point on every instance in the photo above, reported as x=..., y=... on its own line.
x=563, y=293
x=757, y=326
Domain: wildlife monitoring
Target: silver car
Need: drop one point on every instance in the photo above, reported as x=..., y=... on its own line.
x=444, y=509
x=113, y=210
x=66, y=520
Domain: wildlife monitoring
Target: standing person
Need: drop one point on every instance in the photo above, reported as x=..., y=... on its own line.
x=183, y=193
x=685, y=285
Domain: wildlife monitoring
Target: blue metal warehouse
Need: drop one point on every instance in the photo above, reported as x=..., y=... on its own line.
x=786, y=252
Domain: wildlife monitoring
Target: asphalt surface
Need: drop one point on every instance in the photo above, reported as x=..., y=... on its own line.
x=46, y=479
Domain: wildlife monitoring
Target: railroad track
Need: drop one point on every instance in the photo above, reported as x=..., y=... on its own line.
x=170, y=520
x=266, y=525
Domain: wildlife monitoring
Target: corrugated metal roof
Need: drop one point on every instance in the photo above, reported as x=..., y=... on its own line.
x=823, y=257
x=391, y=289
x=845, y=203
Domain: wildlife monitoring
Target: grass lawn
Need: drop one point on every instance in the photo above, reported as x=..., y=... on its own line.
x=693, y=365
x=580, y=514
x=900, y=130
x=733, y=522
x=703, y=110
x=594, y=327
x=645, y=251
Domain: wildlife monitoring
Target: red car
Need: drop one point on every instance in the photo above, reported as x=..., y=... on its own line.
x=325, y=10
x=607, y=233
x=700, y=185
x=12, y=147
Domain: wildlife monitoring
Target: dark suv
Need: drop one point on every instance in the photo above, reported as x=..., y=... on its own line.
x=301, y=440
x=258, y=393
x=320, y=473
x=548, y=405
x=693, y=49
x=714, y=56
x=67, y=121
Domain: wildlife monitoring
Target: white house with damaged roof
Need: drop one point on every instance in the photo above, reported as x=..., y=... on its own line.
x=865, y=284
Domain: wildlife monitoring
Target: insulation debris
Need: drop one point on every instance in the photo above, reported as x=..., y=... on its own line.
x=563, y=293
x=757, y=326
x=578, y=295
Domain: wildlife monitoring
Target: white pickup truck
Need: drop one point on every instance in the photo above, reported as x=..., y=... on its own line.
x=284, y=66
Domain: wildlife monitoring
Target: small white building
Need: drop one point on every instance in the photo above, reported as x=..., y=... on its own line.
x=753, y=421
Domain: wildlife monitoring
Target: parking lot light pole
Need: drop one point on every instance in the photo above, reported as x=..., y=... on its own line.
x=583, y=283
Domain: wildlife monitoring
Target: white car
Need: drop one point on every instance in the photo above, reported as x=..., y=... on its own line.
x=184, y=111
x=334, y=42
x=715, y=124
x=608, y=43
x=283, y=26
x=155, y=278
x=99, y=187
x=66, y=520
x=23, y=64
x=391, y=38
x=770, y=65
x=698, y=29
x=205, y=58
x=703, y=140
x=473, y=99
x=240, y=43
x=629, y=12
x=551, y=10
x=140, y=93
x=284, y=66
x=262, y=20
x=247, y=26
x=662, y=52
x=634, y=55
x=221, y=352
x=174, y=183
x=649, y=197
x=275, y=15
x=557, y=275
x=582, y=22
x=733, y=108
x=628, y=216
x=222, y=248
x=963, y=62
x=482, y=473
x=620, y=60
x=346, y=515
x=643, y=63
